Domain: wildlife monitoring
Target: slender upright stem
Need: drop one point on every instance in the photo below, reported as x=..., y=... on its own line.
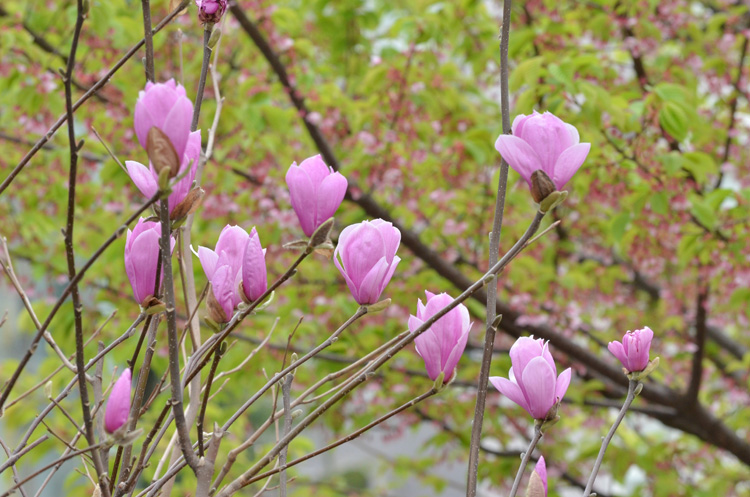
x=286, y=389
x=70, y=255
x=183, y=433
x=526, y=458
x=628, y=400
x=489, y=337
x=202, y=80
x=206, y=395
x=148, y=40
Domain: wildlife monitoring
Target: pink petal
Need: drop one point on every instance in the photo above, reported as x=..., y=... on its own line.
x=538, y=385
x=510, y=390
x=142, y=177
x=208, y=260
x=302, y=193
x=618, y=351
x=455, y=355
x=254, y=276
x=519, y=155
x=391, y=270
x=568, y=163
x=522, y=352
x=330, y=193
x=362, y=249
x=563, y=381
x=118, y=405
x=316, y=170
x=370, y=287
x=429, y=349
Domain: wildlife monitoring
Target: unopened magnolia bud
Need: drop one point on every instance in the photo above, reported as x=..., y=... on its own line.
x=189, y=205
x=48, y=389
x=296, y=413
x=541, y=186
x=161, y=152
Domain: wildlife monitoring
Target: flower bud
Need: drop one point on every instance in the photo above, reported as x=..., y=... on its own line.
x=366, y=257
x=118, y=405
x=442, y=345
x=211, y=11
x=316, y=192
x=543, y=142
x=538, y=481
x=533, y=384
x=633, y=351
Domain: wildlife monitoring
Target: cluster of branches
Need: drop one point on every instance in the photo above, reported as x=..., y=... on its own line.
x=199, y=453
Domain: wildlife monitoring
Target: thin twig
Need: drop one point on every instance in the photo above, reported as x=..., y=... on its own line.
x=148, y=40
x=628, y=400
x=490, y=326
x=242, y=480
x=202, y=80
x=63, y=296
x=70, y=255
x=526, y=457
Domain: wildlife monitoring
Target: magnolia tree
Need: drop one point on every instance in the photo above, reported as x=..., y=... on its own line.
x=152, y=376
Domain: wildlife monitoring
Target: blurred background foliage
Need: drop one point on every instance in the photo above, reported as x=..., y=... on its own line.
x=407, y=93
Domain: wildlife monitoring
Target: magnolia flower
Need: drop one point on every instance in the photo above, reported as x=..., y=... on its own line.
x=165, y=106
x=146, y=179
x=538, y=481
x=210, y=11
x=543, y=142
x=142, y=258
x=223, y=268
x=254, y=278
x=366, y=257
x=316, y=192
x=532, y=384
x=118, y=405
x=634, y=350
x=443, y=343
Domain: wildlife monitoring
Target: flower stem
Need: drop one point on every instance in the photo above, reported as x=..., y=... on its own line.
x=628, y=400
x=202, y=80
x=526, y=458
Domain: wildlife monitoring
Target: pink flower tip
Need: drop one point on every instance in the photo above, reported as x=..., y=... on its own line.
x=633, y=352
x=118, y=405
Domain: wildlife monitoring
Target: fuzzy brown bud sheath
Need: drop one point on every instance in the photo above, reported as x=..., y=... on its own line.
x=541, y=186
x=161, y=152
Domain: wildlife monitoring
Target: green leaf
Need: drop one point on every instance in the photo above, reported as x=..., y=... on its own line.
x=674, y=120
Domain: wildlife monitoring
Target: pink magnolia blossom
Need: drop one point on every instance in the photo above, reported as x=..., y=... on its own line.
x=142, y=258
x=443, y=343
x=366, y=257
x=254, y=276
x=634, y=350
x=118, y=405
x=146, y=179
x=533, y=384
x=210, y=11
x=316, y=192
x=223, y=268
x=543, y=141
x=165, y=106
